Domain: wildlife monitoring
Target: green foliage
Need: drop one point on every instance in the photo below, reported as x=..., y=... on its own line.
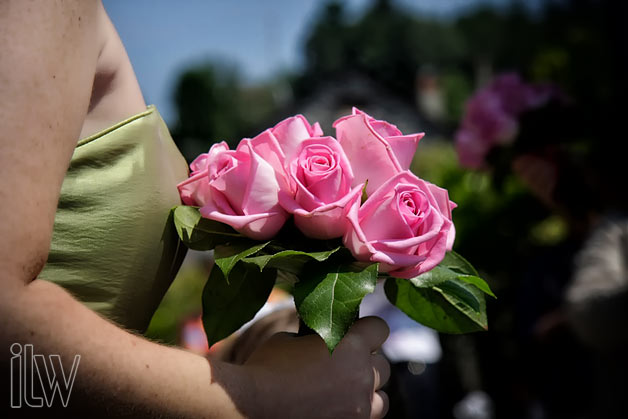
x=457, y=263
x=486, y=210
x=227, y=305
x=456, y=89
x=386, y=43
x=328, y=298
x=330, y=284
x=214, y=105
x=199, y=233
x=206, y=99
x=326, y=48
x=449, y=307
x=228, y=256
x=291, y=261
x=449, y=298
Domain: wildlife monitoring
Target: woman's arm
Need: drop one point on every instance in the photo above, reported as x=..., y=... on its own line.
x=47, y=64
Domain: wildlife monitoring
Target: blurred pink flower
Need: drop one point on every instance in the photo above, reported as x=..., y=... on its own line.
x=491, y=116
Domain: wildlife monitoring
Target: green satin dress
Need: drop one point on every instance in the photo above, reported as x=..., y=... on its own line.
x=113, y=246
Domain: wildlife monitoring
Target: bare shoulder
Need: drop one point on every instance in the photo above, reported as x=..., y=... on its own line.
x=47, y=48
x=116, y=94
x=49, y=51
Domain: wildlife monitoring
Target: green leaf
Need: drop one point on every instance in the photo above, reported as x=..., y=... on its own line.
x=449, y=298
x=200, y=233
x=434, y=277
x=457, y=263
x=328, y=297
x=463, y=294
x=478, y=282
x=453, y=267
x=229, y=305
x=452, y=306
x=289, y=260
x=227, y=257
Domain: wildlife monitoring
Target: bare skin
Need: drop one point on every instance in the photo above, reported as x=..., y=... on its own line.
x=64, y=74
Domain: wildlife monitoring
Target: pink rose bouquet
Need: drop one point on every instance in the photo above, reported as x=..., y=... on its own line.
x=336, y=214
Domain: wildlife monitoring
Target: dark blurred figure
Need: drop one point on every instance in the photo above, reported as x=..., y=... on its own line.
x=597, y=309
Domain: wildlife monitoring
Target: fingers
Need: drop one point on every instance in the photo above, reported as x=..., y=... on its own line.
x=372, y=330
x=379, y=405
x=261, y=331
x=381, y=371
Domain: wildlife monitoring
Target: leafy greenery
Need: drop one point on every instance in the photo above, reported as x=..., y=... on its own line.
x=449, y=298
x=291, y=261
x=227, y=257
x=449, y=307
x=328, y=298
x=199, y=233
x=330, y=285
x=228, y=305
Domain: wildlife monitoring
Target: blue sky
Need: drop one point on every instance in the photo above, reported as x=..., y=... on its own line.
x=261, y=37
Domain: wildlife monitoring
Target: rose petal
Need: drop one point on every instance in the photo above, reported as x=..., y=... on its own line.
x=326, y=221
x=370, y=155
x=354, y=238
x=195, y=189
x=199, y=163
x=262, y=188
x=232, y=181
x=268, y=148
x=315, y=188
x=256, y=226
x=291, y=132
x=435, y=255
x=394, y=226
x=404, y=147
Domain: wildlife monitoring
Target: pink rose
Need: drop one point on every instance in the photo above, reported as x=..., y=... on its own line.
x=278, y=145
x=195, y=189
x=322, y=177
x=292, y=131
x=238, y=187
x=376, y=149
x=405, y=225
x=241, y=187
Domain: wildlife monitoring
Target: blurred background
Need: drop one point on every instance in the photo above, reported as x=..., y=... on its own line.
x=523, y=105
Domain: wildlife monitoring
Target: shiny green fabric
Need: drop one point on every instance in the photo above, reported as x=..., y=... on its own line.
x=113, y=246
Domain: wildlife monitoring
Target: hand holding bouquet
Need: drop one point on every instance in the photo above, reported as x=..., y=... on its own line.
x=333, y=215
